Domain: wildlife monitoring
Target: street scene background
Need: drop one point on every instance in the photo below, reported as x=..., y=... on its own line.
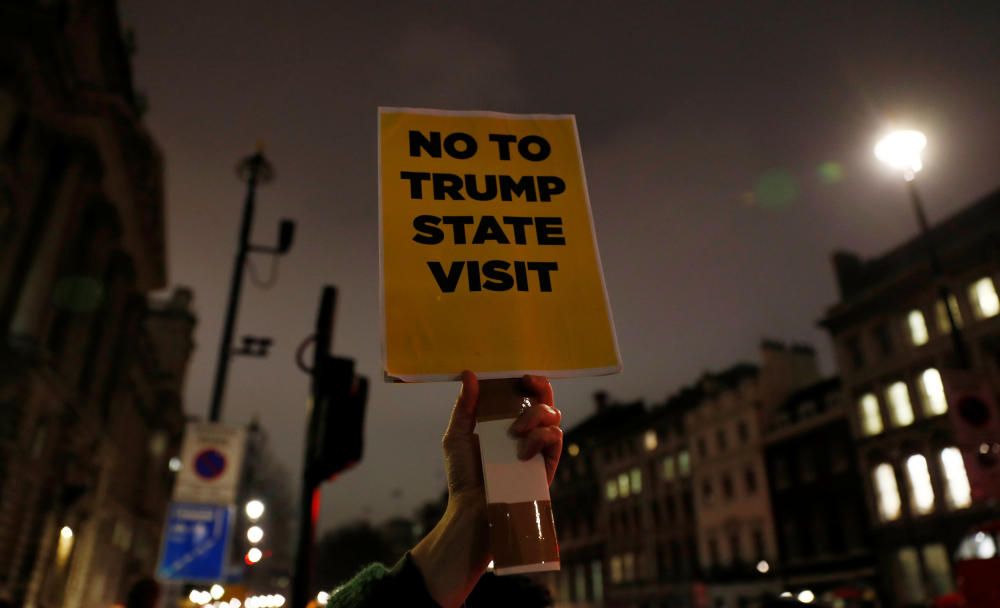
x=728, y=153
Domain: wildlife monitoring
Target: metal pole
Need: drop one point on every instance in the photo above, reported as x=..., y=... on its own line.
x=944, y=292
x=252, y=167
x=310, y=496
x=305, y=551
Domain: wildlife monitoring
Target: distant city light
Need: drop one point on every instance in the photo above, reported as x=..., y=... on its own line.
x=254, y=509
x=174, y=464
x=217, y=591
x=254, y=534
x=573, y=450
x=786, y=594
x=806, y=596
x=650, y=440
x=253, y=555
x=64, y=548
x=763, y=567
x=322, y=598
x=901, y=150
x=234, y=603
x=194, y=596
x=985, y=546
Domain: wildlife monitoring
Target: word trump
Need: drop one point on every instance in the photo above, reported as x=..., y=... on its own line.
x=527, y=231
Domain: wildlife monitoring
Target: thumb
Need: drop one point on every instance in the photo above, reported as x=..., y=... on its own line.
x=463, y=417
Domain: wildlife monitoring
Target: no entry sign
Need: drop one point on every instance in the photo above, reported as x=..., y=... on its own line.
x=211, y=459
x=489, y=257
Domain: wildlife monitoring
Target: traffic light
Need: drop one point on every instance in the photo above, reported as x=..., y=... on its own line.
x=336, y=425
x=975, y=419
x=338, y=415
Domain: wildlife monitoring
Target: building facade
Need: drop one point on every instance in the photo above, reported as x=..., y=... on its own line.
x=817, y=498
x=892, y=341
x=582, y=517
x=737, y=544
x=91, y=369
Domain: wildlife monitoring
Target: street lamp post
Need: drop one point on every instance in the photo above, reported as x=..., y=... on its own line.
x=902, y=151
x=255, y=169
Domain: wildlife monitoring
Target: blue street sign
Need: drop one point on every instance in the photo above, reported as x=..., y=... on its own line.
x=195, y=542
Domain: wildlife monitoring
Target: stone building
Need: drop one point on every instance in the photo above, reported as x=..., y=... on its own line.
x=736, y=538
x=817, y=497
x=582, y=517
x=90, y=370
x=892, y=342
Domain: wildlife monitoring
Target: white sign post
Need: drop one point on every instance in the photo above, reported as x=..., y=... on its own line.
x=211, y=463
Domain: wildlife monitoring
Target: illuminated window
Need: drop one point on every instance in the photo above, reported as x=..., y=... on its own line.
x=932, y=391
x=597, y=579
x=957, y=491
x=683, y=463
x=636, y=477
x=900, y=408
x=921, y=491
x=616, y=569
x=628, y=567
x=669, y=468
x=911, y=587
x=580, y=582
x=917, y=326
x=871, y=417
x=623, y=489
x=650, y=440
x=983, y=296
x=886, y=492
x=942, y=317
x=611, y=489
x=938, y=567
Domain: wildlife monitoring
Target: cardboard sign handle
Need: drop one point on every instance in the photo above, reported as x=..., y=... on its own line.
x=522, y=528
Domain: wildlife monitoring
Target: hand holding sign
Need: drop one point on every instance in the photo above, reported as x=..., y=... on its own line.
x=455, y=553
x=490, y=263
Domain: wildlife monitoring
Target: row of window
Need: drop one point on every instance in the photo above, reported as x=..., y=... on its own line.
x=573, y=583
x=923, y=575
x=983, y=301
x=672, y=467
x=736, y=549
x=728, y=490
x=626, y=484
x=623, y=568
x=722, y=439
x=957, y=492
x=898, y=403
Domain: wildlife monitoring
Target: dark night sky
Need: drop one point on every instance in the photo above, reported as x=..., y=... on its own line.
x=682, y=109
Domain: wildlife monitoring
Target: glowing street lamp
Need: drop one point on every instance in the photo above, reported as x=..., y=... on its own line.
x=254, y=509
x=901, y=150
x=254, y=534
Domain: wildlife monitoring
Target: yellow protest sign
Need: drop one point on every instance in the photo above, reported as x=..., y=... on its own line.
x=489, y=257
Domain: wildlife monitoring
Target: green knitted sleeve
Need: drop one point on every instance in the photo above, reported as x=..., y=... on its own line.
x=376, y=586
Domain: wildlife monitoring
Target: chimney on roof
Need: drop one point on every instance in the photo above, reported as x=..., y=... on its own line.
x=601, y=399
x=849, y=268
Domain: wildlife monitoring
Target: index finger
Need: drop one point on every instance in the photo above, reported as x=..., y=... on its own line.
x=539, y=388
